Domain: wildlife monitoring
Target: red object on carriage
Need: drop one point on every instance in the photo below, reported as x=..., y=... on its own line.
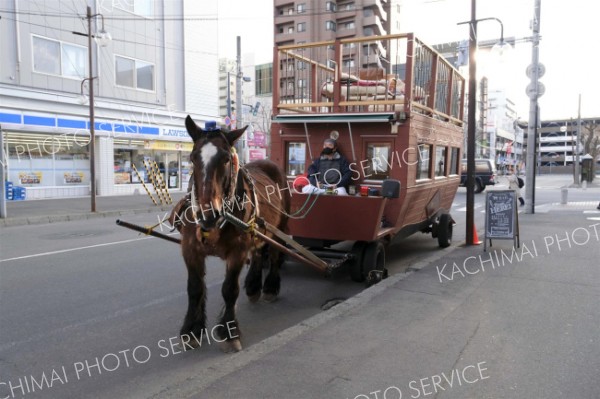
x=395, y=107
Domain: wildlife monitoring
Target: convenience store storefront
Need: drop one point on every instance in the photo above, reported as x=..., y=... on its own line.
x=49, y=154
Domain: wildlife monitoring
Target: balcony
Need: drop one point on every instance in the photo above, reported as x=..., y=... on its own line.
x=374, y=22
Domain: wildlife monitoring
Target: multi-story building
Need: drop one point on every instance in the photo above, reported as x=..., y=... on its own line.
x=312, y=21
x=146, y=80
x=305, y=21
x=504, y=136
x=558, y=144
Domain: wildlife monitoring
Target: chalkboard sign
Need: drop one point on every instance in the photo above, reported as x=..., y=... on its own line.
x=501, y=216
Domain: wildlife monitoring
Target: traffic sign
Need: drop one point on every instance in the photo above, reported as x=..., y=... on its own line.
x=531, y=93
x=541, y=70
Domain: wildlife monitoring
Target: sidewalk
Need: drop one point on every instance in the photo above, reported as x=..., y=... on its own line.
x=483, y=327
x=67, y=209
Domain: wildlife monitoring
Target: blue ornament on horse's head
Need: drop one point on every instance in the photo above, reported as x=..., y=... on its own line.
x=211, y=126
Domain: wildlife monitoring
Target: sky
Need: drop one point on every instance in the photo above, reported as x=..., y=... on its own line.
x=568, y=49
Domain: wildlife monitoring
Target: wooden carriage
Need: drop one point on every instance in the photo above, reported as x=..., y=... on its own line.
x=395, y=107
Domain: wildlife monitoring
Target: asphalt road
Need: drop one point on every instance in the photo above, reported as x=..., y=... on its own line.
x=94, y=308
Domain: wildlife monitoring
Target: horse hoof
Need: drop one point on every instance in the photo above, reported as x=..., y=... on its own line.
x=269, y=297
x=254, y=297
x=186, y=342
x=231, y=346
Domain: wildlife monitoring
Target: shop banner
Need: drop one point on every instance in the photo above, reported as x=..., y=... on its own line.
x=259, y=139
x=168, y=145
x=254, y=154
x=30, y=177
x=73, y=177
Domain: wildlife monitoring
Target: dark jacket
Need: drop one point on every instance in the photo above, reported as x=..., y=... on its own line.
x=339, y=163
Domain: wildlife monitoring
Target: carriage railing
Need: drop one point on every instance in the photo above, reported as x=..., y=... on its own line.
x=393, y=73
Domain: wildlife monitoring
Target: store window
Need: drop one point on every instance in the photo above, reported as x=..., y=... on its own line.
x=137, y=161
x=423, y=164
x=378, y=161
x=296, y=158
x=48, y=160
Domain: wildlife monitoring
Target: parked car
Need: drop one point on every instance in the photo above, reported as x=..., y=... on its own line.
x=485, y=174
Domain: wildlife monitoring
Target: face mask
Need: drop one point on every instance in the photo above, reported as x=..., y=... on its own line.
x=327, y=151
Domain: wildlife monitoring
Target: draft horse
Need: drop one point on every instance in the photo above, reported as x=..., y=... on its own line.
x=218, y=185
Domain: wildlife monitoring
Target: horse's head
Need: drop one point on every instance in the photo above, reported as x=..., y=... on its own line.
x=214, y=169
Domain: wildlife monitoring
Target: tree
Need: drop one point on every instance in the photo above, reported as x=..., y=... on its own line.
x=590, y=138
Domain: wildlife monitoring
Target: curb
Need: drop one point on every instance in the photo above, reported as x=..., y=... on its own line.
x=192, y=386
x=24, y=221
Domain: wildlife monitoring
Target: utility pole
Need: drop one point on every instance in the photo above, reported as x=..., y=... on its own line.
x=471, y=127
x=3, y=161
x=92, y=122
x=239, y=115
x=229, y=95
x=533, y=91
x=577, y=160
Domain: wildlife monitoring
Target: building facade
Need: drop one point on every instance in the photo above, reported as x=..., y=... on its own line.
x=307, y=21
x=558, y=142
x=145, y=81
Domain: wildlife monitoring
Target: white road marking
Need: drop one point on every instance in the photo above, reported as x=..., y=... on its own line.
x=76, y=249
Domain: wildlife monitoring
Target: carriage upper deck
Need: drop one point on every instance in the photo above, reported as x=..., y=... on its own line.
x=395, y=107
x=378, y=75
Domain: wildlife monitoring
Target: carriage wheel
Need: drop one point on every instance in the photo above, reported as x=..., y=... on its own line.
x=355, y=267
x=373, y=263
x=444, y=230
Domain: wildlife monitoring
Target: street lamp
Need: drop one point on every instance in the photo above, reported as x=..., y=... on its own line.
x=471, y=119
x=102, y=37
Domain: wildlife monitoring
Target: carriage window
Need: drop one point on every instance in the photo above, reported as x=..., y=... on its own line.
x=296, y=158
x=378, y=160
x=454, y=152
x=440, y=161
x=423, y=161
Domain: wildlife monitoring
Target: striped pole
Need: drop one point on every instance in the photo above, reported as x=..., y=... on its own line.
x=153, y=180
x=162, y=184
x=144, y=185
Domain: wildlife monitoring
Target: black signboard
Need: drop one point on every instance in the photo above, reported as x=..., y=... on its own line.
x=501, y=216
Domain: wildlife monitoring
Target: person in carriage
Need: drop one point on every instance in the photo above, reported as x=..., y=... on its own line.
x=330, y=173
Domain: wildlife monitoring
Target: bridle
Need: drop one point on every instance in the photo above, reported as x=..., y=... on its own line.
x=238, y=175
